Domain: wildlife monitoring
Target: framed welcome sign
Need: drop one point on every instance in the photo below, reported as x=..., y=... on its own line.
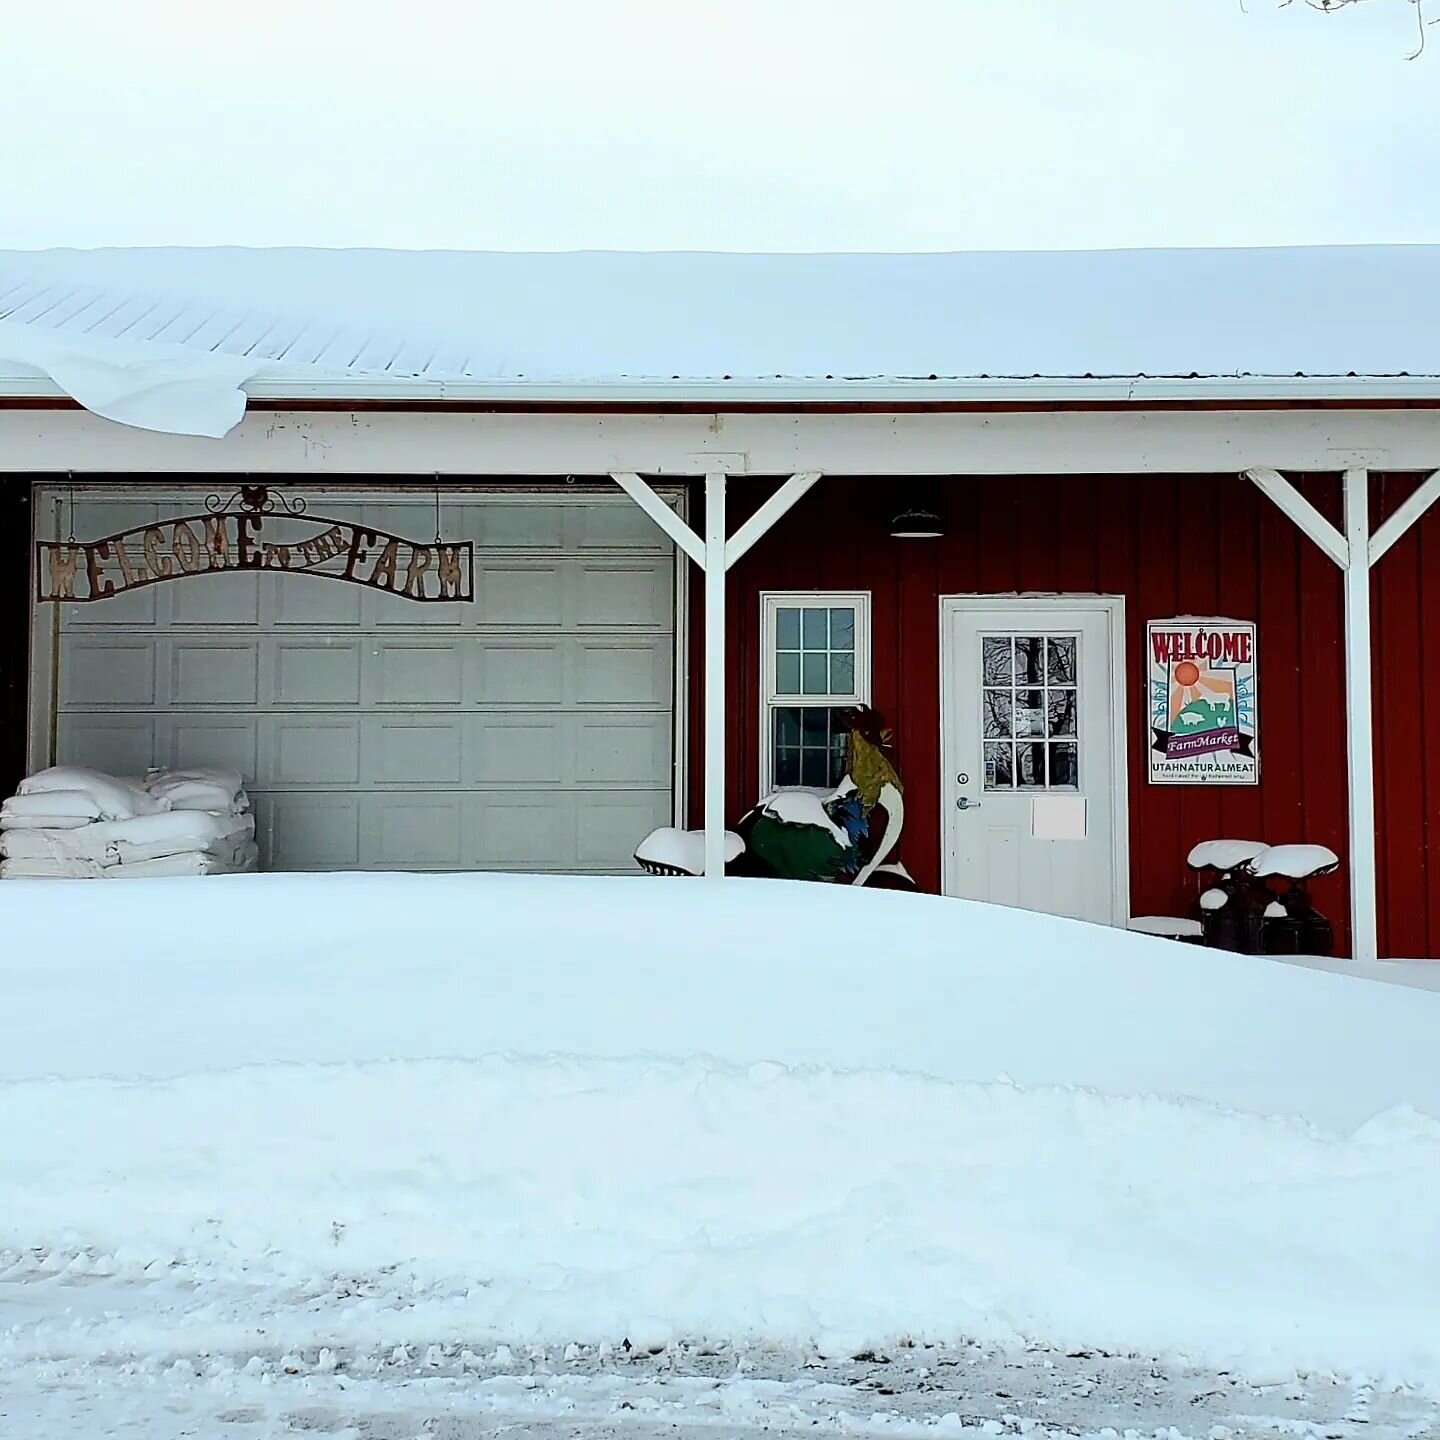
x=1201, y=688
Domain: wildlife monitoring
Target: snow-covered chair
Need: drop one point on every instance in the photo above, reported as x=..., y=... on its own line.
x=1291, y=925
x=1229, y=905
x=669, y=851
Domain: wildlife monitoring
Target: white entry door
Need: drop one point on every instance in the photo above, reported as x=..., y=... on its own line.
x=1033, y=753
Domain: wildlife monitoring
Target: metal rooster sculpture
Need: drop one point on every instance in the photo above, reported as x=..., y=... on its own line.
x=843, y=837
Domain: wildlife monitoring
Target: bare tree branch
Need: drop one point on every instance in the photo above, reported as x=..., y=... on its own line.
x=1331, y=5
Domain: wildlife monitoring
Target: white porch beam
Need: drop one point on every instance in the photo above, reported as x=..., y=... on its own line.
x=1303, y=513
x=715, y=700
x=766, y=516
x=1426, y=493
x=661, y=514
x=1359, y=720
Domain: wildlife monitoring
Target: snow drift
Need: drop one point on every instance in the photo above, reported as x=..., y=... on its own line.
x=740, y=1143
x=245, y=970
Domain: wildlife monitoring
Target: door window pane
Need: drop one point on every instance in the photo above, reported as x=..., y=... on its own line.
x=1030, y=767
x=995, y=660
x=1029, y=691
x=1000, y=767
x=1061, y=669
x=999, y=706
x=1064, y=766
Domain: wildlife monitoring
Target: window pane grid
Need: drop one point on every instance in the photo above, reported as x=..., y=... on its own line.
x=815, y=650
x=1029, y=712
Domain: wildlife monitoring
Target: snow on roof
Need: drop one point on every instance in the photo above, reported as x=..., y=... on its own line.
x=772, y=326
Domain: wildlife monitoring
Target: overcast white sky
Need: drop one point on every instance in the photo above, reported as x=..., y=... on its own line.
x=715, y=124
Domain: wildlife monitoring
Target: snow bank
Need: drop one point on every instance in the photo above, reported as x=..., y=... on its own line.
x=535, y=1201
x=164, y=978
x=785, y=1175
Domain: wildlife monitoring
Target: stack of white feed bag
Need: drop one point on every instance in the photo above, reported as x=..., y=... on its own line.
x=73, y=823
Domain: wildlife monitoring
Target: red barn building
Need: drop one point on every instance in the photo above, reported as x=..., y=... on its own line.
x=1132, y=550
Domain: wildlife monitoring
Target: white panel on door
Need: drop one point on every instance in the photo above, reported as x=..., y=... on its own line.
x=515, y=594
x=520, y=527
x=608, y=828
x=313, y=832
x=314, y=672
x=515, y=675
x=411, y=750
x=314, y=751
x=521, y=831
x=414, y=672
x=514, y=750
x=620, y=750
x=313, y=603
x=108, y=672
x=619, y=673
x=231, y=742
x=216, y=600
x=204, y=671
x=411, y=832
x=119, y=745
x=615, y=596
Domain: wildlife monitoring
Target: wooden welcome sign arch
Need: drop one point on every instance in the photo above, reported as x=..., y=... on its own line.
x=226, y=538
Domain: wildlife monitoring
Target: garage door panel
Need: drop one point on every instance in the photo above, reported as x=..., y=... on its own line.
x=621, y=596
x=106, y=672
x=415, y=749
x=413, y=671
x=119, y=745
x=306, y=601
x=515, y=750
x=619, y=749
x=322, y=672
x=231, y=742
x=204, y=671
x=617, y=672
x=520, y=831
x=515, y=675
x=609, y=828
x=517, y=594
x=513, y=526
x=410, y=832
x=311, y=831
x=615, y=525
x=215, y=600
x=310, y=750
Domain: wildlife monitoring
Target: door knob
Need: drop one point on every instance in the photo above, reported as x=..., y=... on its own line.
x=966, y=803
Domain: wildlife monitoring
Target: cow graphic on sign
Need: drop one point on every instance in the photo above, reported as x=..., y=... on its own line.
x=1202, y=701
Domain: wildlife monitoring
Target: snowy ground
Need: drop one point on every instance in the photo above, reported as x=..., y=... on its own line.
x=320, y=1169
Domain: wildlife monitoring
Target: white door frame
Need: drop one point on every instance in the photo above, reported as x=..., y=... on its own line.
x=1111, y=606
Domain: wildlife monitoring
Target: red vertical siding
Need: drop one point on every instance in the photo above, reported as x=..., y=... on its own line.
x=1198, y=545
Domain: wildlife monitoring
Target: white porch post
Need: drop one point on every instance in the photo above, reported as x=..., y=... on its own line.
x=714, y=676
x=1359, y=727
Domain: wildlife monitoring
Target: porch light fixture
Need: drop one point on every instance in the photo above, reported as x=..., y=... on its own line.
x=916, y=522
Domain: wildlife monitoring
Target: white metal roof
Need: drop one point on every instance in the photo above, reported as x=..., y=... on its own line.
x=354, y=323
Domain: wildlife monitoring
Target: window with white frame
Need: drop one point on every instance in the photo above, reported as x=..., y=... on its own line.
x=815, y=662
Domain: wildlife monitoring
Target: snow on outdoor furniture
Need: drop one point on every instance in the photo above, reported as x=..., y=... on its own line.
x=1224, y=855
x=1168, y=927
x=1228, y=906
x=669, y=851
x=1291, y=925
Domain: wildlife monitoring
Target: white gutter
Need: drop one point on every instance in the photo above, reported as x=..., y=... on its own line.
x=782, y=392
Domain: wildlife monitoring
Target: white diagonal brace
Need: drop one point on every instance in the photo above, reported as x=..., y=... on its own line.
x=768, y=514
x=1426, y=493
x=661, y=514
x=1303, y=513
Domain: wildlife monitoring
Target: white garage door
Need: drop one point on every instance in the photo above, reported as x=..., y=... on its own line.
x=530, y=730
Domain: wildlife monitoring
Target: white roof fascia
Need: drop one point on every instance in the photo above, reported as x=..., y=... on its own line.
x=1060, y=390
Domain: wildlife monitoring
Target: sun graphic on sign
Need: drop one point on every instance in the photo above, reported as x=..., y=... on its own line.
x=1195, y=690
